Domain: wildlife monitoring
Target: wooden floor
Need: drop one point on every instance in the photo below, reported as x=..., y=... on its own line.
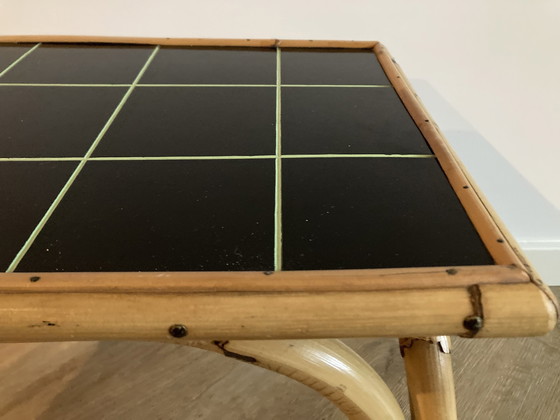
x=496, y=379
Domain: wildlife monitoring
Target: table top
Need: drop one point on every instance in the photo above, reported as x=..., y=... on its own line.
x=258, y=188
x=144, y=158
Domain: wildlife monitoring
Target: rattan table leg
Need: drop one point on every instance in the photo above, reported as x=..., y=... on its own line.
x=328, y=366
x=430, y=377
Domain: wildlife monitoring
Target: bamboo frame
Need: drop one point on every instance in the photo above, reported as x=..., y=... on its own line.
x=191, y=42
x=59, y=316
x=394, y=302
x=257, y=281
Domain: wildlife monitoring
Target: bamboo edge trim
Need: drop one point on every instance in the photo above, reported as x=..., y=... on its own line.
x=271, y=282
x=500, y=243
x=192, y=42
x=509, y=311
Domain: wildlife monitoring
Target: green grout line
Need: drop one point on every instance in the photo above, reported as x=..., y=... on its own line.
x=364, y=155
x=66, y=84
x=278, y=170
x=126, y=158
x=120, y=105
x=203, y=85
x=7, y=69
x=77, y=171
x=40, y=159
x=340, y=86
x=179, y=85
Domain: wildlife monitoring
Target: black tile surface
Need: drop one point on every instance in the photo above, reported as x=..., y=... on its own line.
x=27, y=189
x=71, y=63
x=347, y=120
x=212, y=66
x=161, y=215
x=372, y=213
x=53, y=121
x=331, y=67
x=218, y=215
x=178, y=121
x=10, y=53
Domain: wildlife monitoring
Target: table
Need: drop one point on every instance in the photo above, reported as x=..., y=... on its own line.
x=257, y=198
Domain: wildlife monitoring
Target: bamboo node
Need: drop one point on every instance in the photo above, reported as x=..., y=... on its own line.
x=474, y=323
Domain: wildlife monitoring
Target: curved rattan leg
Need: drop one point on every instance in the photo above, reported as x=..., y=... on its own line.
x=430, y=377
x=328, y=366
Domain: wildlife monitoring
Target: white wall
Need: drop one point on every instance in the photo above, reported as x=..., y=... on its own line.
x=488, y=72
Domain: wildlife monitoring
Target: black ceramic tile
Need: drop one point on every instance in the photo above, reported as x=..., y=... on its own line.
x=331, y=67
x=53, y=121
x=212, y=66
x=371, y=213
x=27, y=189
x=162, y=215
x=178, y=121
x=9, y=53
x=72, y=63
x=347, y=120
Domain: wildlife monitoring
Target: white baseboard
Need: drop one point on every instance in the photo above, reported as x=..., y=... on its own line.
x=545, y=259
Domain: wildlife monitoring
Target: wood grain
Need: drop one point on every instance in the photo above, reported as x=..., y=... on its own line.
x=191, y=42
x=510, y=309
x=499, y=379
x=328, y=366
x=429, y=373
x=256, y=316
x=253, y=281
